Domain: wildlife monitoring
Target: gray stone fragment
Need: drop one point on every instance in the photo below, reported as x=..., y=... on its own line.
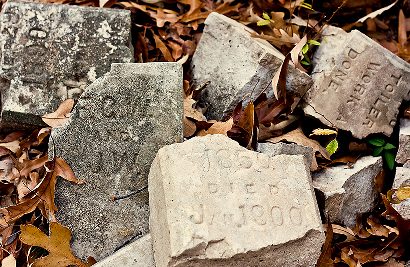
x=52, y=52
x=402, y=179
x=403, y=154
x=137, y=254
x=288, y=149
x=113, y=134
x=358, y=84
x=215, y=203
x=349, y=192
x=238, y=66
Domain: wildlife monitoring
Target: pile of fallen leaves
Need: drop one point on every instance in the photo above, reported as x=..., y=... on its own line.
x=169, y=30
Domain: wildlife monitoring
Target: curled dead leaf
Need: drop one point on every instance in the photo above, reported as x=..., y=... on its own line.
x=61, y=115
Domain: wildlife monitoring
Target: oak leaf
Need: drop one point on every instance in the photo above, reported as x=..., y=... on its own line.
x=57, y=244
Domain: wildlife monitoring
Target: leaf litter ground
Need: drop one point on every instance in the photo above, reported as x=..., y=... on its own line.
x=169, y=30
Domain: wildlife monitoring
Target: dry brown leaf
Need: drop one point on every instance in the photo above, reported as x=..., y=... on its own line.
x=325, y=259
x=402, y=33
x=163, y=48
x=25, y=186
x=57, y=244
x=30, y=165
x=191, y=115
x=219, y=127
x=296, y=51
x=377, y=229
x=297, y=136
x=42, y=196
x=13, y=146
x=61, y=115
x=350, y=236
x=9, y=261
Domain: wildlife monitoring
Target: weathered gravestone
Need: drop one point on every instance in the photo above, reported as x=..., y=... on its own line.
x=402, y=179
x=116, y=128
x=137, y=254
x=238, y=66
x=403, y=154
x=231, y=207
x=358, y=84
x=52, y=52
x=348, y=192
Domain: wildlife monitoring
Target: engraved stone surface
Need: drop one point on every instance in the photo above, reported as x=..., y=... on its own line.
x=288, y=149
x=348, y=192
x=237, y=65
x=358, y=84
x=403, y=154
x=52, y=52
x=402, y=179
x=215, y=203
x=113, y=134
x=137, y=254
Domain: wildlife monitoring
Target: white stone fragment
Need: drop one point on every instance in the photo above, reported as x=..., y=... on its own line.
x=215, y=203
x=137, y=254
x=349, y=192
x=403, y=154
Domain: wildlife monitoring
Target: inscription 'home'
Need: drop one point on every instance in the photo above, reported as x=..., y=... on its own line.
x=358, y=85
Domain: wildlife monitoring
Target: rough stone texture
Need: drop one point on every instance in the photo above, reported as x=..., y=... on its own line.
x=52, y=52
x=287, y=149
x=137, y=254
x=116, y=128
x=237, y=65
x=358, y=84
x=231, y=207
x=403, y=154
x=349, y=192
x=402, y=179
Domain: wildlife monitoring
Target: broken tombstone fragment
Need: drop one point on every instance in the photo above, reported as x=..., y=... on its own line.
x=137, y=254
x=51, y=52
x=231, y=207
x=358, y=84
x=289, y=149
x=110, y=140
x=238, y=66
x=402, y=179
x=348, y=192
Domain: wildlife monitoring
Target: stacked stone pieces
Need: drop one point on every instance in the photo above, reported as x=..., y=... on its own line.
x=348, y=192
x=113, y=134
x=238, y=66
x=231, y=207
x=52, y=52
x=358, y=84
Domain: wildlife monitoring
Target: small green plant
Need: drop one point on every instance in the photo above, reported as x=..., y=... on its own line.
x=381, y=147
x=332, y=147
x=305, y=49
x=306, y=5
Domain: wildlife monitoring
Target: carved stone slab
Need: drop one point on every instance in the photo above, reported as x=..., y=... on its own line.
x=348, y=192
x=402, y=179
x=137, y=254
x=214, y=203
x=403, y=154
x=358, y=84
x=52, y=52
x=116, y=128
x=238, y=66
